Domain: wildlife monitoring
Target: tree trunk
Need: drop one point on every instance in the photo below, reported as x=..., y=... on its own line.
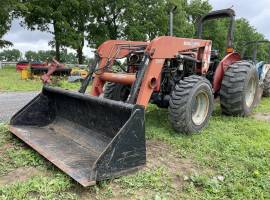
x=80, y=55
x=57, y=50
x=80, y=48
x=57, y=43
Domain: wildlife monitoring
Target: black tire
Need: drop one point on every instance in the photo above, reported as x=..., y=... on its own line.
x=116, y=91
x=266, y=85
x=236, y=97
x=183, y=99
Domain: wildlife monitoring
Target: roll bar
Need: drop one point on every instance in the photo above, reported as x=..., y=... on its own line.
x=218, y=14
x=255, y=49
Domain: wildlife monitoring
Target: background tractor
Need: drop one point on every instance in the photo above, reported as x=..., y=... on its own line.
x=262, y=66
x=102, y=135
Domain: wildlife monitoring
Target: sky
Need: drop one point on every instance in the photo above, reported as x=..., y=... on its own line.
x=25, y=40
x=257, y=12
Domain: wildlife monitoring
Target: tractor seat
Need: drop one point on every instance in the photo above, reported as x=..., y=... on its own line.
x=214, y=54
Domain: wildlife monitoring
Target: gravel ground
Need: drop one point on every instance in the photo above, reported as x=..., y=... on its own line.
x=11, y=102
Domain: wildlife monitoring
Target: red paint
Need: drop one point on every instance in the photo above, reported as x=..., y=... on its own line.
x=159, y=49
x=222, y=67
x=24, y=64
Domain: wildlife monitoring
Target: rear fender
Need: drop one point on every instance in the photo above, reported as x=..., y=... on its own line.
x=222, y=67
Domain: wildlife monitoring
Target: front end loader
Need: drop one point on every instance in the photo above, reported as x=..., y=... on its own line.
x=102, y=135
x=90, y=139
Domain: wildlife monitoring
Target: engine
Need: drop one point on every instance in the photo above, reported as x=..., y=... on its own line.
x=173, y=71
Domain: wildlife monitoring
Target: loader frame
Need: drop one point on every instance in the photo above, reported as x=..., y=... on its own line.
x=156, y=52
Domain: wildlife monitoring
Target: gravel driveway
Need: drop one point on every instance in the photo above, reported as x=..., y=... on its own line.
x=11, y=102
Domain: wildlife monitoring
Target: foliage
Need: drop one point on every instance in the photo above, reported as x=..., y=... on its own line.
x=68, y=57
x=142, y=20
x=5, y=20
x=43, y=55
x=74, y=21
x=5, y=43
x=251, y=34
x=77, y=14
x=11, y=55
x=66, y=20
x=44, y=15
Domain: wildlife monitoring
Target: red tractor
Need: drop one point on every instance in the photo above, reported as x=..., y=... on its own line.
x=180, y=74
x=102, y=135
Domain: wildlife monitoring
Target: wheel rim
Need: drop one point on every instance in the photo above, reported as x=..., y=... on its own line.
x=200, y=108
x=250, y=92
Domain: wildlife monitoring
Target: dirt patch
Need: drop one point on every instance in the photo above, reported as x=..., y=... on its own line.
x=19, y=175
x=4, y=147
x=262, y=116
x=160, y=154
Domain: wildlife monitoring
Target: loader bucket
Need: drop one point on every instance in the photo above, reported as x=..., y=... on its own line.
x=89, y=138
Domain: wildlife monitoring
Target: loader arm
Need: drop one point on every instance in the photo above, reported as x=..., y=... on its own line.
x=54, y=65
x=148, y=77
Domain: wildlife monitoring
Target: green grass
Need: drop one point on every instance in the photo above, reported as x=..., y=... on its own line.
x=264, y=106
x=10, y=80
x=236, y=149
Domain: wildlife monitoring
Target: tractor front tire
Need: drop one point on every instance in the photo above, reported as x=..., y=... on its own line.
x=239, y=89
x=191, y=104
x=266, y=85
x=116, y=91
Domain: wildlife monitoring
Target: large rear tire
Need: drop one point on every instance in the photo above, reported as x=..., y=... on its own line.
x=239, y=89
x=116, y=91
x=266, y=85
x=191, y=104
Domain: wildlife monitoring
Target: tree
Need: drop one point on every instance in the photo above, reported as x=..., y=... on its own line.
x=5, y=20
x=245, y=33
x=73, y=21
x=65, y=19
x=77, y=14
x=44, y=15
x=105, y=20
x=145, y=20
x=197, y=8
x=141, y=19
x=42, y=56
x=68, y=57
x=10, y=55
x=31, y=56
